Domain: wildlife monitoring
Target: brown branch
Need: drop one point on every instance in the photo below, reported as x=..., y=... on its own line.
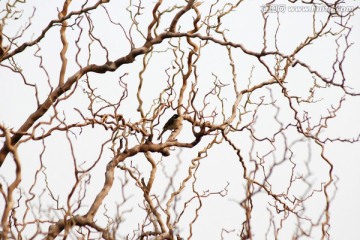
x=47, y=28
x=9, y=198
x=179, y=14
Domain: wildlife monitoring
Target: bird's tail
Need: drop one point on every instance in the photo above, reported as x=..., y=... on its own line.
x=161, y=134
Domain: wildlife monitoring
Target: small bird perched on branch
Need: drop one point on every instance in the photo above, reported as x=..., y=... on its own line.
x=173, y=123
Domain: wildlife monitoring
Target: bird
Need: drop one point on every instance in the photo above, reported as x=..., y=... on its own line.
x=173, y=123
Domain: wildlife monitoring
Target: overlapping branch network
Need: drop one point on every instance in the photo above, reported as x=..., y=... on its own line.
x=217, y=111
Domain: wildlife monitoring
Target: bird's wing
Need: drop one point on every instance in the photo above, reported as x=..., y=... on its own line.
x=168, y=123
